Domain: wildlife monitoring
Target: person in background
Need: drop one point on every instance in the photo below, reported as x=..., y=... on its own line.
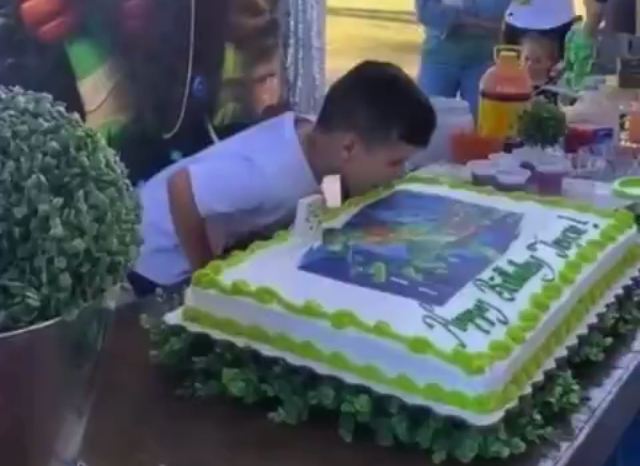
x=372, y=120
x=458, y=46
x=580, y=45
x=551, y=19
x=540, y=57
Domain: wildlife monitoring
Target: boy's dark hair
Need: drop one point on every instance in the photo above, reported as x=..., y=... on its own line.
x=380, y=103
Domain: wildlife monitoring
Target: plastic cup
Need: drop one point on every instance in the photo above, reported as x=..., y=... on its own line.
x=549, y=176
x=527, y=156
x=512, y=179
x=504, y=160
x=482, y=172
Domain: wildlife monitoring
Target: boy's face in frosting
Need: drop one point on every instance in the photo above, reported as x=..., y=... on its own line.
x=365, y=166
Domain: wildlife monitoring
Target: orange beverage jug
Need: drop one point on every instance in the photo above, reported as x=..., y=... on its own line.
x=505, y=90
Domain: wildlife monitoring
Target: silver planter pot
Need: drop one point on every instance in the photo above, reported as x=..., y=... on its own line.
x=47, y=378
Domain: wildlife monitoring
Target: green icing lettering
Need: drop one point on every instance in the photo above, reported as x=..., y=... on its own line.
x=378, y=272
x=432, y=320
x=507, y=281
x=482, y=316
x=568, y=239
x=574, y=220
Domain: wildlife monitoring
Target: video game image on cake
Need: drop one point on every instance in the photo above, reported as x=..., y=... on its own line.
x=421, y=246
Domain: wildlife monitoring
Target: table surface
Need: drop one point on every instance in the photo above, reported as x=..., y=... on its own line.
x=137, y=421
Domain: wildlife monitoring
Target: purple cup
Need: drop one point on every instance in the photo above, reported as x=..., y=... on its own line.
x=482, y=172
x=512, y=179
x=549, y=176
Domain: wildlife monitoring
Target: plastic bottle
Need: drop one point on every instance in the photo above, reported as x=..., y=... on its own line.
x=453, y=115
x=505, y=89
x=596, y=118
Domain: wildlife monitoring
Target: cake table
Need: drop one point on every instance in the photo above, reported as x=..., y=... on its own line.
x=138, y=421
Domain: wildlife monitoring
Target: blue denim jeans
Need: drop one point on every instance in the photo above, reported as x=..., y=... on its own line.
x=444, y=78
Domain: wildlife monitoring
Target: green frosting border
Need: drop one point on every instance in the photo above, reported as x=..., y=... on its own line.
x=482, y=403
x=620, y=222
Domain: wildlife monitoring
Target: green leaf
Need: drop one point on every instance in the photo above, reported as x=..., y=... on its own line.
x=347, y=425
x=425, y=433
x=401, y=427
x=384, y=432
x=467, y=447
x=439, y=456
x=326, y=396
x=516, y=446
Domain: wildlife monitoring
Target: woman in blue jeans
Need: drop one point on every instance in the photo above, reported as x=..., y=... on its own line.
x=458, y=47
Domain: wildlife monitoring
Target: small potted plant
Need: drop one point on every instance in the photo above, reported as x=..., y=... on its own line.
x=542, y=124
x=68, y=231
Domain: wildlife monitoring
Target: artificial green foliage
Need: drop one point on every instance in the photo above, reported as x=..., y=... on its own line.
x=202, y=367
x=543, y=124
x=68, y=216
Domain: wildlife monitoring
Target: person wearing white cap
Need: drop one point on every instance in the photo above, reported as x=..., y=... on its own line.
x=551, y=18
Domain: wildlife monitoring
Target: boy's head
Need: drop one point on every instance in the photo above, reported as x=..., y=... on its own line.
x=539, y=55
x=372, y=120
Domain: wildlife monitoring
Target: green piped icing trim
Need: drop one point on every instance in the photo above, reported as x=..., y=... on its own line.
x=471, y=363
x=482, y=403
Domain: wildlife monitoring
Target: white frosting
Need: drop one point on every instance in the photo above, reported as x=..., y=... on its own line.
x=277, y=267
x=403, y=314
x=473, y=418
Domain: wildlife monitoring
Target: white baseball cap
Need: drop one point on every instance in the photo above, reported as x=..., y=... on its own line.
x=540, y=14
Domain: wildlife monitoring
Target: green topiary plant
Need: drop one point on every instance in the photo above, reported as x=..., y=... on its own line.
x=542, y=124
x=68, y=214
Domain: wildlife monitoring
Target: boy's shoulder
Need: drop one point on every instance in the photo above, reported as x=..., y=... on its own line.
x=275, y=130
x=269, y=151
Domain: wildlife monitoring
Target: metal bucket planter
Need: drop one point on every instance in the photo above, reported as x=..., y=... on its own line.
x=47, y=378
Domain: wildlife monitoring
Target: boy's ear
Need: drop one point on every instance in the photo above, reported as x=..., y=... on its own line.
x=349, y=147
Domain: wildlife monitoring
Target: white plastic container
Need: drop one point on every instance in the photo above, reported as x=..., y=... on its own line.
x=453, y=115
x=505, y=160
x=512, y=179
x=482, y=172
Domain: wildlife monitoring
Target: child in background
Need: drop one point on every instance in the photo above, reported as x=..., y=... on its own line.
x=540, y=54
x=580, y=45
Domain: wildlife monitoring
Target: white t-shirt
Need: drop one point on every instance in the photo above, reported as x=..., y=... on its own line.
x=540, y=14
x=245, y=184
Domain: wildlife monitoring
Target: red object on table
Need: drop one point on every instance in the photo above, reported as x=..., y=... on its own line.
x=577, y=137
x=470, y=145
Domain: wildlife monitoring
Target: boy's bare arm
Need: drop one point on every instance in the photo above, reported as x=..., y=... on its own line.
x=190, y=227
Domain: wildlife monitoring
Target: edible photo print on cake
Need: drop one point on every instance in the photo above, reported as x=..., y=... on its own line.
x=420, y=246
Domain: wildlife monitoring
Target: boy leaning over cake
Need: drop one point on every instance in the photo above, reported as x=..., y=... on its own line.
x=372, y=120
